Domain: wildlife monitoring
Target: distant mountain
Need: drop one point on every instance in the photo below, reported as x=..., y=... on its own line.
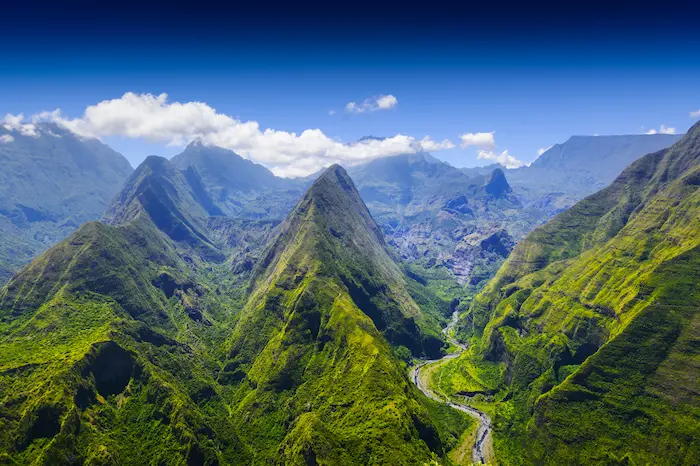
x=175, y=202
x=437, y=216
x=50, y=184
x=241, y=187
x=568, y=172
x=592, y=324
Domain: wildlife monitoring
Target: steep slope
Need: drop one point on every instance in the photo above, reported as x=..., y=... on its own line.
x=123, y=344
x=175, y=202
x=593, y=323
x=316, y=378
x=110, y=341
x=51, y=182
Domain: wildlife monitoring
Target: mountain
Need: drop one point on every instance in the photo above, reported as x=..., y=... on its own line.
x=587, y=338
x=174, y=201
x=105, y=357
x=311, y=349
x=132, y=342
x=51, y=182
x=568, y=172
x=241, y=187
x=437, y=217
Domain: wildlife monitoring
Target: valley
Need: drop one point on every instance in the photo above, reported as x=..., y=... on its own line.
x=399, y=312
x=256, y=234
x=481, y=450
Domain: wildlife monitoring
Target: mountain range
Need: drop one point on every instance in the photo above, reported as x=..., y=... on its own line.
x=449, y=223
x=585, y=343
x=218, y=314
x=143, y=351
x=567, y=172
x=51, y=182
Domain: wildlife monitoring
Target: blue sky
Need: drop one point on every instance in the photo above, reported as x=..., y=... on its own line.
x=531, y=89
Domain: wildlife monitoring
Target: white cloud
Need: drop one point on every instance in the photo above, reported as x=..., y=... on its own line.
x=153, y=118
x=429, y=145
x=6, y=139
x=387, y=102
x=482, y=140
x=662, y=130
x=382, y=102
x=15, y=123
x=504, y=158
x=331, y=112
x=486, y=144
x=695, y=114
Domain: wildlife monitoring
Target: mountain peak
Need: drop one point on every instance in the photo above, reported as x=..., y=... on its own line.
x=155, y=163
x=196, y=142
x=371, y=138
x=332, y=232
x=496, y=184
x=336, y=174
x=224, y=172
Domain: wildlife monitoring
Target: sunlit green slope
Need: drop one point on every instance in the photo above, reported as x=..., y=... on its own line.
x=320, y=383
x=125, y=344
x=594, y=327
x=102, y=336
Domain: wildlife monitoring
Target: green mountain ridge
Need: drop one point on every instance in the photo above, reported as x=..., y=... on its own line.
x=104, y=336
x=591, y=325
x=310, y=345
x=124, y=343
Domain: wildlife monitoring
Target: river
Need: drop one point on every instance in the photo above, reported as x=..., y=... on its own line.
x=484, y=430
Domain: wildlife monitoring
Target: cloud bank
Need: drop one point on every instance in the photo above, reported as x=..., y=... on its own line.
x=16, y=123
x=486, y=145
x=156, y=120
x=695, y=114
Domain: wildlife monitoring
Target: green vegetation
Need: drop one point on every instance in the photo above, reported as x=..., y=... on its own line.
x=592, y=324
x=134, y=342
x=308, y=350
x=193, y=328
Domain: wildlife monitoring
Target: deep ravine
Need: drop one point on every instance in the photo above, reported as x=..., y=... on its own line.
x=479, y=454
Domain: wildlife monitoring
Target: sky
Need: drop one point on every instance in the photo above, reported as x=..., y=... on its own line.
x=296, y=89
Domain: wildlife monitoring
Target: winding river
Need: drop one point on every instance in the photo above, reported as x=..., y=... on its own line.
x=484, y=430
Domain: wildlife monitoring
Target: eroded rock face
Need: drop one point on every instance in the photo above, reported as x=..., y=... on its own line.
x=477, y=256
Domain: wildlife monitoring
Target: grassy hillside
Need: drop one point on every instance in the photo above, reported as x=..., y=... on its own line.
x=100, y=361
x=111, y=342
x=587, y=338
